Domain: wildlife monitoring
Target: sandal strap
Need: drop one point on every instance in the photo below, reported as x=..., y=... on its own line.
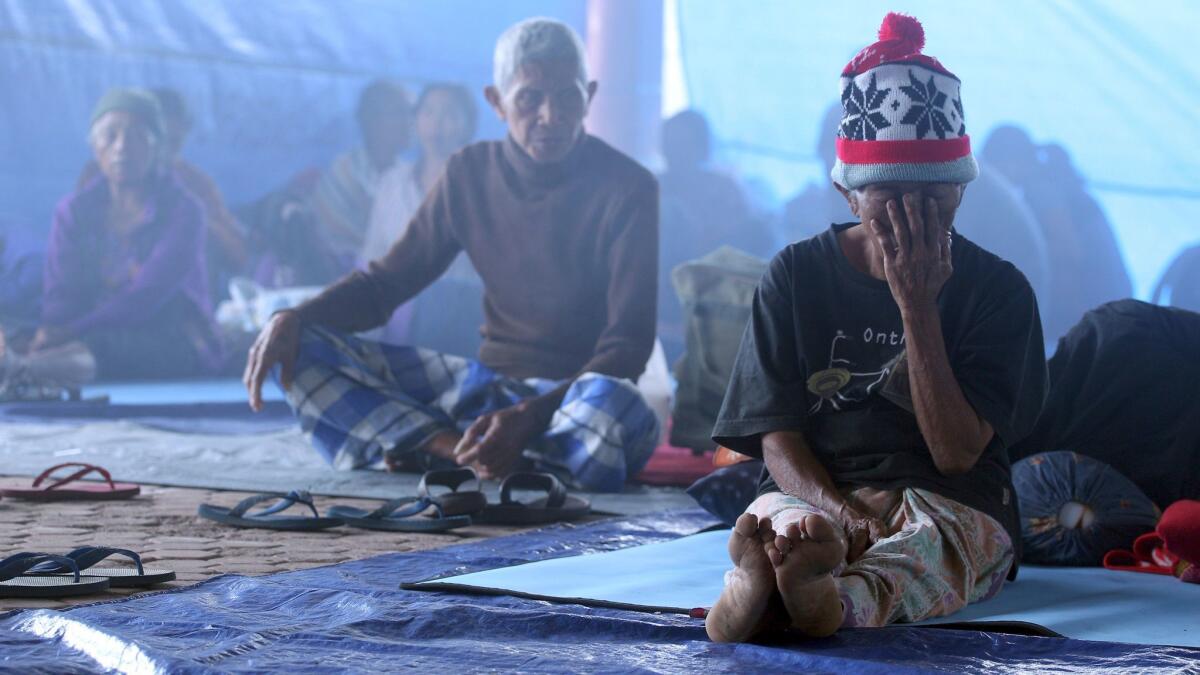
x=404, y=507
x=556, y=492
x=88, y=556
x=83, y=471
x=17, y=565
x=285, y=501
x=450, y=478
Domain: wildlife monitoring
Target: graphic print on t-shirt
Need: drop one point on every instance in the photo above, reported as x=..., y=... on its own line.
x=858, y=366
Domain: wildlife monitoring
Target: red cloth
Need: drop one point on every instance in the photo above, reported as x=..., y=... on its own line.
x=670, y=465
x=1179, y=528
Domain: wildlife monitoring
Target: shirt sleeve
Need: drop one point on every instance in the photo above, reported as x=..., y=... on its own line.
x=625, y=344
x=1000, y=361
x=366, y=299
x=159, y=278
x=767, y=390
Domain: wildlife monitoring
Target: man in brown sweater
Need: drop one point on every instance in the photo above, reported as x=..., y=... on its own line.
x=563, y=229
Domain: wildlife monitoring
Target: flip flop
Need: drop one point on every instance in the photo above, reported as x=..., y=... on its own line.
x=59, y=492
x=17, y=582
x=239, y=516
x=85, y=557
x=556, y=506
x=399, y=515
x=455, y=502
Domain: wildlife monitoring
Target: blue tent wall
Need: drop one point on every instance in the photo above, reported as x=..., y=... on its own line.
x=272, y=83
x=1117, y=83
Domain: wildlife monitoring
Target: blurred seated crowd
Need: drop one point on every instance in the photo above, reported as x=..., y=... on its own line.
x=149, y=267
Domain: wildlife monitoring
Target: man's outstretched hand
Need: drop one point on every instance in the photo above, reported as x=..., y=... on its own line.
x=493, y=443
x=279, y=342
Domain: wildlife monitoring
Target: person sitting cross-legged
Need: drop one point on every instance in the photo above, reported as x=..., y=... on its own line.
x=563, y=230
x=887, y=366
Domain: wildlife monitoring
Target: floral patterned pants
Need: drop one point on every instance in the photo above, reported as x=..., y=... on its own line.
x=940, y=556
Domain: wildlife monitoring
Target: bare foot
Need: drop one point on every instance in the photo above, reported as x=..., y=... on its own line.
x=740, y=611
x=803, y=557
x=441, y=445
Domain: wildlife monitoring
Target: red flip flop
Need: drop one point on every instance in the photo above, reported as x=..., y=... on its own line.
x=1148, y=556
x=58, y=491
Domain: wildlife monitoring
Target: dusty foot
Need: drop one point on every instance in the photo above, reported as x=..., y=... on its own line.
x=739, y=612
x=441, y=445
x=803, y=557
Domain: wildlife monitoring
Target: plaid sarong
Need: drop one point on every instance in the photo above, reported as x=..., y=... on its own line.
x=357, y=399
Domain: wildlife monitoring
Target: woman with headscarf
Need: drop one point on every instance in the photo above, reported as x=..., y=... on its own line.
x=126, y=268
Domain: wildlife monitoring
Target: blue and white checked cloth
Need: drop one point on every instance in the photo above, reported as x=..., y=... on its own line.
x=356, y=399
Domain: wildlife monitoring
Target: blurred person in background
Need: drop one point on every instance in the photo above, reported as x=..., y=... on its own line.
x=701, y=210
x=1086, y=266
x=819, y=204
x=445, y=120
x=227, y=247
x=126, y=264
x=345, y=193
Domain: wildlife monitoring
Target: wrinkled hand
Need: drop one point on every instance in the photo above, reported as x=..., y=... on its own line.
x=862, y=532
x=916, y=251
x=279, y=342
x=495, y=441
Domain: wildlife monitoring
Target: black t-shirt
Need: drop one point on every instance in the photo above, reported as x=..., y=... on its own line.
x=823, y=354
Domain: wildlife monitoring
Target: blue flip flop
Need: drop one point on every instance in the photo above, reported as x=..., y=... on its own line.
x=18, y=580
x=86, y=557
x=241, y=516
x=400, y=515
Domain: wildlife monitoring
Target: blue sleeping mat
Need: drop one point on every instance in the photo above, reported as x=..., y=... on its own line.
x=353, y=617
x=687, y=573
x=228, y=390
x=195, y=406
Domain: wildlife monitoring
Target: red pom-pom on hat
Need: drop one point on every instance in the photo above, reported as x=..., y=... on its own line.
x=901, y=39
x=897, y=26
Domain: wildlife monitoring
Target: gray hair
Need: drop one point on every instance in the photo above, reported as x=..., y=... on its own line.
x=536, y=40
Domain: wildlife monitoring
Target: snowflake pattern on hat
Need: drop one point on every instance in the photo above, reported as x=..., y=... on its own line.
x=896, y=102
x=862, y=117
x=926, y=111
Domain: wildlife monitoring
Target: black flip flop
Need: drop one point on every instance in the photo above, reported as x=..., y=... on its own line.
x=555, y=507
x=16, y=581
x=456, y=502
x=86, y=557
x=266, y=519
x=400, y=515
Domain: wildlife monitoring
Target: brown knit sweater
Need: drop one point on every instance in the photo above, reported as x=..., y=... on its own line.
x=568, y=254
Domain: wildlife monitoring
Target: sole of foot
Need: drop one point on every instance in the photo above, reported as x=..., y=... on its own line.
x=804, y=555
x=738, y=614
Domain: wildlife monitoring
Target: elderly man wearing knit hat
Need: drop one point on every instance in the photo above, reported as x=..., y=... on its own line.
x=887, y=366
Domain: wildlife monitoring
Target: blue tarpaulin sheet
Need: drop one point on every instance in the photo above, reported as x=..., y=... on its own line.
x=684, y=573
x=353, y=617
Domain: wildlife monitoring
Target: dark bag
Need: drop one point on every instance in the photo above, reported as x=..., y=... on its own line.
x=1123, y=389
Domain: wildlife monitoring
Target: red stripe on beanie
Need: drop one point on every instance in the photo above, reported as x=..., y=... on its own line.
x=903, y=152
